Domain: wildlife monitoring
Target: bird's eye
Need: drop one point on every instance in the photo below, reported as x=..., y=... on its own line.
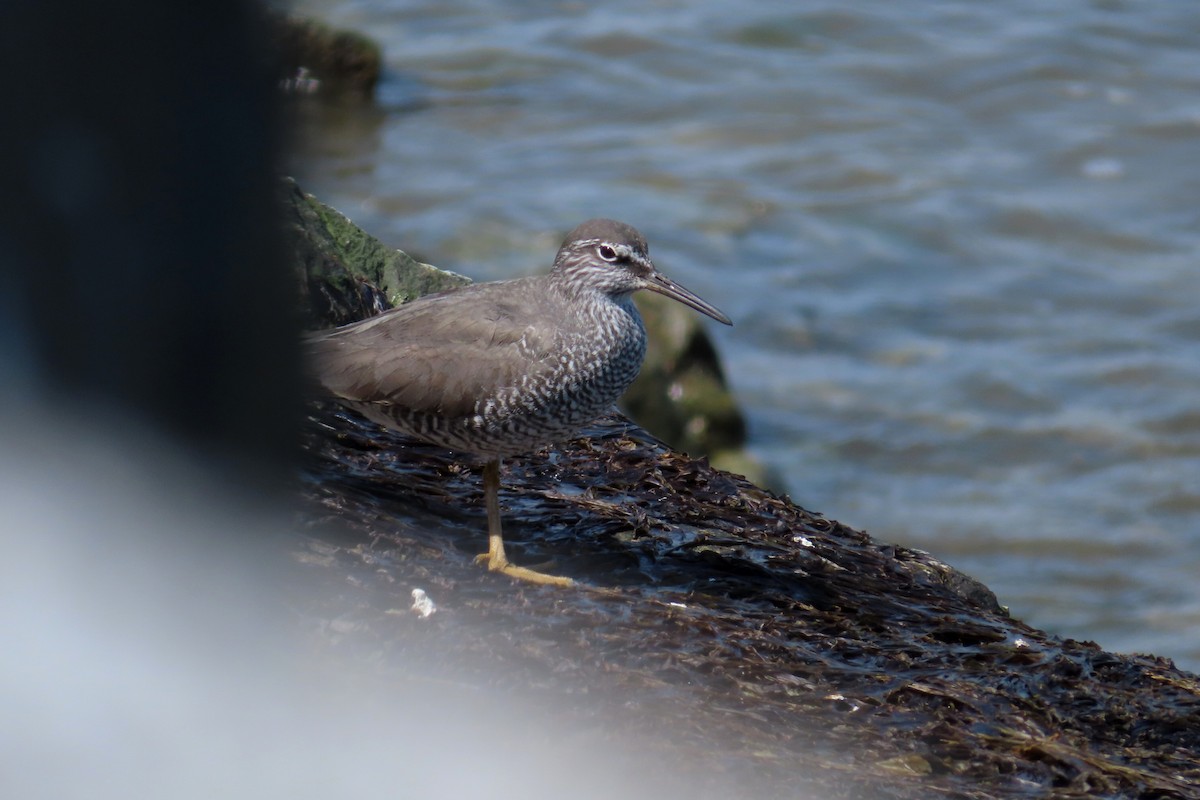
x=607, y=253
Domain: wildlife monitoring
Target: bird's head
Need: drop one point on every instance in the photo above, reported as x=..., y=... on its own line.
x=607, y=256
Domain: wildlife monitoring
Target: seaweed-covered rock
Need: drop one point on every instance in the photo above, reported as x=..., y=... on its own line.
x=760, y=649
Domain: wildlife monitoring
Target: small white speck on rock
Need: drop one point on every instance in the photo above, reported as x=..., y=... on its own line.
x=422, y=605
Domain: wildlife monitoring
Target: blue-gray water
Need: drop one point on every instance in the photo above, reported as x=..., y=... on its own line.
x=960, y=242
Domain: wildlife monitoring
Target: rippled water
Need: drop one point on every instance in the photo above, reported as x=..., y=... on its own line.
x=960, y=242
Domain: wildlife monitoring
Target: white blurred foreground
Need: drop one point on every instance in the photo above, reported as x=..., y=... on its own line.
x=147, y=654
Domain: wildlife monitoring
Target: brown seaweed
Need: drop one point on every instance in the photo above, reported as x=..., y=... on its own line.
x=748, y=638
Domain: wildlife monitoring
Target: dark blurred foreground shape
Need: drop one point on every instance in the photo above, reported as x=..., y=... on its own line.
x=142, y=282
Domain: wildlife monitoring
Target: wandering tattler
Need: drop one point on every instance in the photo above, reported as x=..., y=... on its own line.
x=502, y=368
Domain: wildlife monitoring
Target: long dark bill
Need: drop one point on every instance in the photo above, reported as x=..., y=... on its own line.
x=657, y=282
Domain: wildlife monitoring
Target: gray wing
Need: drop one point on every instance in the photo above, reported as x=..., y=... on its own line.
x=438, y=354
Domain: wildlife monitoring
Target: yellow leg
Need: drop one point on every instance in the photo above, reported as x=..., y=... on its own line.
x=494, y=558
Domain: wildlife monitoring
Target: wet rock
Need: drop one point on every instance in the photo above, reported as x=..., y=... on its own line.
x=314, y=58
x=777, y=653
x=761, y=649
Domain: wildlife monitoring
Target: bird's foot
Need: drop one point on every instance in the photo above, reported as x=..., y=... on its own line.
x=503, y=566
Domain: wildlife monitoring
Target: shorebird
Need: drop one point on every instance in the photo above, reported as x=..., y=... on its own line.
x=504, y=368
